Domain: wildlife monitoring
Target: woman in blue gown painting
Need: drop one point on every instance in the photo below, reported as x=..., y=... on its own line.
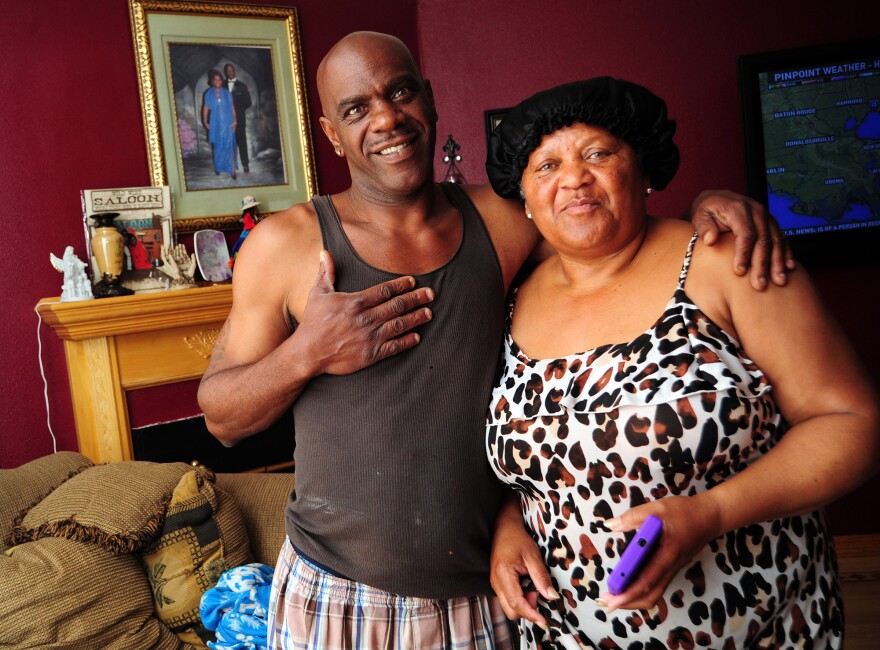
x=218, y=117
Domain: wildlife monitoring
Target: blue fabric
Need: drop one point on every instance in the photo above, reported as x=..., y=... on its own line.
x=236, y=608
x=221, y=134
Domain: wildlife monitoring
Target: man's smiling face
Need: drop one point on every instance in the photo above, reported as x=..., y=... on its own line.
x=380, y=112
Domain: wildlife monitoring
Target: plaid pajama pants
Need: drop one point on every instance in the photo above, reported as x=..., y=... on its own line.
x=312, y=610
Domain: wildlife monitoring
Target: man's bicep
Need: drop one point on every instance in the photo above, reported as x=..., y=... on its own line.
x=257, y=322
x=271, y=272
x=246, y=337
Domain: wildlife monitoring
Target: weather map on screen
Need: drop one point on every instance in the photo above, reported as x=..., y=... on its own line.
x=821, y=130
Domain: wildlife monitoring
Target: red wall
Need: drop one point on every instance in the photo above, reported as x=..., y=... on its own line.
x=70, y=118
x=492, y=54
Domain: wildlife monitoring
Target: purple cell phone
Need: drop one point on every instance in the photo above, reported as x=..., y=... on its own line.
x=634, y=555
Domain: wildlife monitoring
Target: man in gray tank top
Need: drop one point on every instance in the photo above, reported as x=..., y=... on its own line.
x=376, y=313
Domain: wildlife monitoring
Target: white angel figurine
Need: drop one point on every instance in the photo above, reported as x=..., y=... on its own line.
x=76, y=285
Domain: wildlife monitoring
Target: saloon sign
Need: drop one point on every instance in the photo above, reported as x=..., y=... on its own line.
x=131, y=198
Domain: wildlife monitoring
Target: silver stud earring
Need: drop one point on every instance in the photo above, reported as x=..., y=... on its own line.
x=528, y=215
x=648, y=191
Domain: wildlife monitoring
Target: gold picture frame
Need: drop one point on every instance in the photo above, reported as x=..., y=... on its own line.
x=178, y=45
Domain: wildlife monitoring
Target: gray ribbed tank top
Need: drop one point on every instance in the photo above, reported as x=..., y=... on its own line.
x=393, y=488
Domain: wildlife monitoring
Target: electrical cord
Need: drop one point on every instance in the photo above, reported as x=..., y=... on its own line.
x=43, y=375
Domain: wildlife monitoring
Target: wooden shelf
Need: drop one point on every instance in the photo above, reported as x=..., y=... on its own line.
x=117, y=344
x=145, y=312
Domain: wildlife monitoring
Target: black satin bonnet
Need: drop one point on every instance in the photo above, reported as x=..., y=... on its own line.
x=626, y=110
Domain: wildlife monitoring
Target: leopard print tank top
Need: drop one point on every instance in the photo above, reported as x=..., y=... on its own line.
x=676, y=411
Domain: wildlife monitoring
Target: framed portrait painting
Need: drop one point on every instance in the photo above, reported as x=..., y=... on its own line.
x=225, y=113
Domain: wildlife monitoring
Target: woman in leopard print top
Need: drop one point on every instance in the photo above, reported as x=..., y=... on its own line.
x=634, y=383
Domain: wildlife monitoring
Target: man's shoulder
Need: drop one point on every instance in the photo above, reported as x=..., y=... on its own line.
x=293, y=229
x=504, y=217
x=280, y=256
x=513, y=235
x=297, y=215
x=490, y=205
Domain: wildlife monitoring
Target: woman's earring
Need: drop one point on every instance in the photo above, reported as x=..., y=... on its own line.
x=648, y=191
x=528, y=215
x=338, y=152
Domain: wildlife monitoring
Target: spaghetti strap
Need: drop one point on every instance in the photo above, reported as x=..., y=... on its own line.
x=685, y=267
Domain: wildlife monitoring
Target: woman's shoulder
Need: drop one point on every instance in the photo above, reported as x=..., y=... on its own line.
x=717, y=259
x=712, y=282
x=670, y=228
x=668, y=242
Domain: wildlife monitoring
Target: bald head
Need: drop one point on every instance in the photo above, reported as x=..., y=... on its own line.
x=359, y=50
x=378, y=114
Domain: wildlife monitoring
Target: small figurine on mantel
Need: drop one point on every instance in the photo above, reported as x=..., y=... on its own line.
x=179, y=265
x=140, y=258
x=251, y=217
x=76, y=285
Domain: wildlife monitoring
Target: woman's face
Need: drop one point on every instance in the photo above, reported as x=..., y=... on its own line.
x=216, y=80
x=585, y=189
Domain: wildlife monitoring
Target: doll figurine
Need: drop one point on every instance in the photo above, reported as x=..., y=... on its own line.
x=251, y=217
x=140, y=258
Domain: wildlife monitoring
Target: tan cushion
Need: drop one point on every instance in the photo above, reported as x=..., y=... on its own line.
x=63, y=594
x=24, y=486
x=119, y=506
x=261, y=498
x=203, y=535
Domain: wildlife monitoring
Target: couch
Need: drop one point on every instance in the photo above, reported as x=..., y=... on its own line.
x=118, y=555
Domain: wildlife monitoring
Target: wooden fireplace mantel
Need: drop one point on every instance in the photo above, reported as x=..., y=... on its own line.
x=117, y=344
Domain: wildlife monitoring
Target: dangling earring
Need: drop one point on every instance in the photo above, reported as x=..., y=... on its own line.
x=648, y=191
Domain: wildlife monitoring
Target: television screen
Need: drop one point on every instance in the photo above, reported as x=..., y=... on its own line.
x=811, y=121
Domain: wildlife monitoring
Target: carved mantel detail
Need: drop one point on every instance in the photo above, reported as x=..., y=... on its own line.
x=203, y=342
x=113, y=345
